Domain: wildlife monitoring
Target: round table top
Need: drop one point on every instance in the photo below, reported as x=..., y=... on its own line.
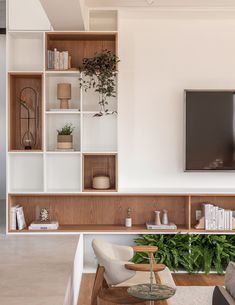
x=159, y=292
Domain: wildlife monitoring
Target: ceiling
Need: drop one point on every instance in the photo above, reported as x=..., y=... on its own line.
x=161, y=3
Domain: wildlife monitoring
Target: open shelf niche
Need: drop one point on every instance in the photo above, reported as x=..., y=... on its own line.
x=57, y=121
x=80, y=44
x=99, y=133
x=25, y=51
x=25, y=172
x=52, y=79
x=88, y=212
x=99, y=165
x=25, y=89
x=63, y=172
x=106, y=212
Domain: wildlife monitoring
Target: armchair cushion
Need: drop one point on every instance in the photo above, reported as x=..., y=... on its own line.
x=113, y=258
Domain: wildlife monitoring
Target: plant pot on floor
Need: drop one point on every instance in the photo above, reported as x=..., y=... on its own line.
x=64, y=141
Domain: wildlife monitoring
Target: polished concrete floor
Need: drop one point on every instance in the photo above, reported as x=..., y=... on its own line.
x=2, y=216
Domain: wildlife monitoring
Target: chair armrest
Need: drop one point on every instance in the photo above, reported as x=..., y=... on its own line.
x=222, y=297
x=145, y=267
x=149, y=249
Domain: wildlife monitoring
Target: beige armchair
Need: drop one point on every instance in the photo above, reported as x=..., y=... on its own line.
x=115, y=269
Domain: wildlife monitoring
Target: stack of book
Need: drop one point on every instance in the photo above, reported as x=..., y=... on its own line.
x=17, y=219
x=217, y=218
x=58, y=60
x=44, y=225
x=153, y=226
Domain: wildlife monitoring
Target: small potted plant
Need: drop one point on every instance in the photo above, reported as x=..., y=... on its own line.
x=99, y=73
x=65, y=137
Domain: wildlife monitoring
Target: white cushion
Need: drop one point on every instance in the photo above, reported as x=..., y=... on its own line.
x=230, y=279
x=192, y=295
x=166, y=278
x=141, y=277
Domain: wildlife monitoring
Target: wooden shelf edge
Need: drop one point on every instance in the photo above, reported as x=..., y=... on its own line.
x=104, y=228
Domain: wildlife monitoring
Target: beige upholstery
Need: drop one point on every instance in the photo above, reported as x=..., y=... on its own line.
x=113, y=258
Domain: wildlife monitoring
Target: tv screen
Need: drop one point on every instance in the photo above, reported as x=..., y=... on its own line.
x=210, y=130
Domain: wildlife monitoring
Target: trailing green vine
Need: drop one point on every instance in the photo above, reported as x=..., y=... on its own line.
x=190, y=252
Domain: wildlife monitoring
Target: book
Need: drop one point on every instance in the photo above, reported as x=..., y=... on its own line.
x=21, y=224
x=65, y=60
x=13, y=219
x=46, y=225
x=153, y=226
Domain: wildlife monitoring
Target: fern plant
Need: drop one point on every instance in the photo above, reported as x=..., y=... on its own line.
x=190, y=252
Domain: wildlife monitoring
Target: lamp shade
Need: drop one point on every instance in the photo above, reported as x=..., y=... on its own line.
x=64, y=91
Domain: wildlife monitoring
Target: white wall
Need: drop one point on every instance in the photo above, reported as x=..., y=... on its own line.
x=2, y=117
x=27, y=15
x=161, y=55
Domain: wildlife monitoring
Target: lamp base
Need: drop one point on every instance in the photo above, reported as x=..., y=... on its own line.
x=64, y=104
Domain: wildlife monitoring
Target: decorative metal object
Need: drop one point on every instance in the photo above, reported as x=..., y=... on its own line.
x=150, y=291
x=44, y=215
x=28, y=117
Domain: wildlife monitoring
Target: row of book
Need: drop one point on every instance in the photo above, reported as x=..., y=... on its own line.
x=217, y=218
x=17, y=221
x=58, y=60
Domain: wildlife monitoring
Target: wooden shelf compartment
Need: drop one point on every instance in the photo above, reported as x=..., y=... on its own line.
x=80, y=44
x=17, y=126
x=88, y=212
x=51, y=90
x=99, y=165
x=222, y=201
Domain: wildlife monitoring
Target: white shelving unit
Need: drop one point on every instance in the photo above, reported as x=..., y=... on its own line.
x=25, y=51
x=50, y=171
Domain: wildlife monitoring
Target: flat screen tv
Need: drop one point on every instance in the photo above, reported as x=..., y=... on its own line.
x=210, y=130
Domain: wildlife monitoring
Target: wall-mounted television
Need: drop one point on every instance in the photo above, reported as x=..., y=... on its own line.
x=209, y=130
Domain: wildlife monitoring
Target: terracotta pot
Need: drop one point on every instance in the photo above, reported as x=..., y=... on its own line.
x=64, y=141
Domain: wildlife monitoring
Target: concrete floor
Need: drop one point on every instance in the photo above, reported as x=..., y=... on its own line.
x=2, y=217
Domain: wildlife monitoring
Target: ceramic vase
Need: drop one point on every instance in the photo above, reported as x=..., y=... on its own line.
x=165, y=220
x=157, y=218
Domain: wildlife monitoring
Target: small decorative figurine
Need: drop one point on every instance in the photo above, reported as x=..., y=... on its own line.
x=201, y=224
x=44, y=215
x=128, y=220
x=157, y=218
x=165, y=220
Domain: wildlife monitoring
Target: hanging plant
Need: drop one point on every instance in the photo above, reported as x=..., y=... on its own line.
x=99, y=74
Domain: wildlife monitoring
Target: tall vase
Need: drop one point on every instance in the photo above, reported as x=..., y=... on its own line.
x=157, y=218
x=165, y=220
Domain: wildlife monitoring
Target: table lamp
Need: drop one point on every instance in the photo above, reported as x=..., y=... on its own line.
x=64, y=94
